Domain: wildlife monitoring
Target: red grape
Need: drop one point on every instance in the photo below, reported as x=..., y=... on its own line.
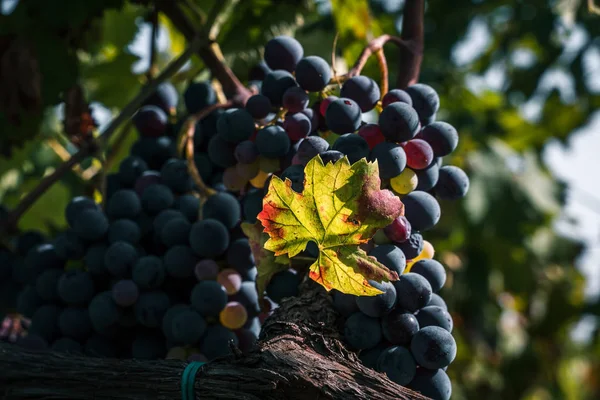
x=399, y=230
x=372, y=134
x=419, y=154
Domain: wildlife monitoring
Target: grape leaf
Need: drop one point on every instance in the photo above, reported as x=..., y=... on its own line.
x=341, y=207
x=267, y=263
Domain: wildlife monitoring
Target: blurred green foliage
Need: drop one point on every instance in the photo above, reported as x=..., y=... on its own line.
x=512, y=287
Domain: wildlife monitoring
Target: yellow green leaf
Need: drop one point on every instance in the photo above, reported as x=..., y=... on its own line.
x=342, y=206
x=266, y=261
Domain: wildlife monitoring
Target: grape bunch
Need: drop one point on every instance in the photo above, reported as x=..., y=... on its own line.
x=158, y=272
x=142, y=276
x=405, y=331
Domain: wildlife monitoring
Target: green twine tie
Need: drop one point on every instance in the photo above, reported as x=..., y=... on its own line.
x=187, y=380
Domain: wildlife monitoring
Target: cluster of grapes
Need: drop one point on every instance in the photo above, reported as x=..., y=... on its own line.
x=146, y=277
x=405, y=331
x=143, y=277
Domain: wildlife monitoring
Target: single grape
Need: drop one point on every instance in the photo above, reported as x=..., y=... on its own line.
x=390, y=158
x=399, y=230
x=176, y=176
x=209, y=238
x=235, y=125
x=188, y=327
x=297, y=126
x=156, y=198
x=103, y=311
x=295, y=99
x=433, y=271
x=231, y=280
x=422, y=210
x=428, y=177
x=246, y=152
x=370, y=356
x=381, y=304
x=125, y=292
x=216, y=342
x=413, y=291
x=124, y=203
x=176, y=232
x=259, y=106
x=399, y=326
x=120, y=258
x=124, y=230
x=436, y=300
x=130, y=169
x=419, y=154
x=76, y=287
x=180, y=261
x=220, y=152
x=435, y=316
x=148, y=272
x=150, y=121
x=399, y=122
x=91, y=225
x=165, y=97
x=76, y=206
x=206, y=270
x=208, y=298
x=413, y=246
x=283, y=52
x=295, y=174
x=283, y=284
x=398, y=364
x=234, y=315
x=353, y=146
x=331, y=156
x=224, y=208
x=309, y=148
x=272, y=141
x=433, y=384
x=361, y=331
x=433, y=347
x=405, y=182
x=396, y=95
x=441, y=136
x=363, y=90
x=313, y=73
x=199, y=95
x=239, y=255
x=390, y=256
x=452, y=184
x=343, y=116
x=425, y=100
x=372, y=134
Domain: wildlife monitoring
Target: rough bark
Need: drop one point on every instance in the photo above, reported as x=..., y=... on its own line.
x=299, y=356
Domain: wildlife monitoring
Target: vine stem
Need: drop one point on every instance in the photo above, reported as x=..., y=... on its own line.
x=91, y=148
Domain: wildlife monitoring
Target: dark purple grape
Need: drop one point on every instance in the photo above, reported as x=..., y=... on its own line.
x=150, y=121
x=295, y=99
